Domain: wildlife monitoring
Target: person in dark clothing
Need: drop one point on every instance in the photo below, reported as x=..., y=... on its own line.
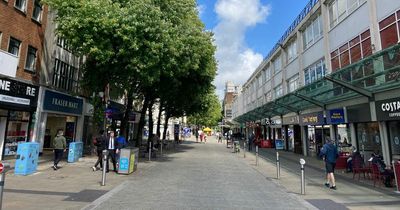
x=329, y=153
x=251, y=141
x=60, y=146
x=111, y=145
x=99, y=142
x=387, y=173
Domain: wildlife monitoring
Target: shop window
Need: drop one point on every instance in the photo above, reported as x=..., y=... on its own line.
x=17, y=131
x=394, y=135
x=13, y=46
x=30, y=64
x=368, y=137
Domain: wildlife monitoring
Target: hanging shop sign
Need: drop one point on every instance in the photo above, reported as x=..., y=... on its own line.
x=293, y=120
x=388, y=109
x=316, y=118
x=59, y=102
x=115, y=110
x=14, y=93
x=335, y=116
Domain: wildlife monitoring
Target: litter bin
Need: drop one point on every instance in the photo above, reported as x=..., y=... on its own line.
x=128, y=159
x=27, y=158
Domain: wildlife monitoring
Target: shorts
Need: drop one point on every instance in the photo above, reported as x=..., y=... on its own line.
x=330, y=167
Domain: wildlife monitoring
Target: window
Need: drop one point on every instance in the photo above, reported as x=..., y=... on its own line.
x=340, y=9
x=13, y=46
x=260, y=83
x=278, y=91
x=37, y=11
x=293, y=83
x=63, y=43
x=312, y=32
x=352, y=51
x=277, y=64
x=268, y=96
x=31, y=59
x=292, y=51
x=64, y=76
x=314, y=72
x=21, y=5
x=268, y=73
x=389, y=30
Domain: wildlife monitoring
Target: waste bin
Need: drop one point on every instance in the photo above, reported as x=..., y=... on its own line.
x=75, y=151
x=27, y=158
x=128, y=159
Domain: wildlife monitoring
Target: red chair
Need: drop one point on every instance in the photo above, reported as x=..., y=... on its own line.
x=358, y=168
x=376, y=174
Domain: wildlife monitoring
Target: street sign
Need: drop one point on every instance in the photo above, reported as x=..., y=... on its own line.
x=1, y=168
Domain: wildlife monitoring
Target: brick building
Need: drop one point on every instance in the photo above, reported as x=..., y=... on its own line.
x=22, y=27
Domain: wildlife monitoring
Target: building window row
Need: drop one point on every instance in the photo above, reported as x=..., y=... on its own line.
x=63, y=43
x=314, y=72
x=292, y=51
x=340, y=9
x=21, y=5
x=14, y=48
x=277, y=64
x=64, y=76
x=352, y=51
x=278, y=90
x=293, y=83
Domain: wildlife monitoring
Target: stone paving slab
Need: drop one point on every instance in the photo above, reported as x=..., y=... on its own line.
x=201, y=176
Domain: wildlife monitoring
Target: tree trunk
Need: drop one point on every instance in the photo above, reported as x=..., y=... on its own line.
x=167, y=116
x=125, y=120
x=159, y=119
x=141, y=122
x=151, y=122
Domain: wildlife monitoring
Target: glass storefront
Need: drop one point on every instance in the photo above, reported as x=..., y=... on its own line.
x=316, y=136
x=394, y=138
x=56, y=122
x=344, y=138
x=368, y=137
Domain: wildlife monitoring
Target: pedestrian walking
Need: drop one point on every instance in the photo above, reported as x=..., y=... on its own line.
x=100, y=143
x=60, y=146
x=197, y=134
x=329, y=153
x=112, y=151
x=251, y=141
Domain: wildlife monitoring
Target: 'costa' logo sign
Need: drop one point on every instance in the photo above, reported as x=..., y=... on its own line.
x=391, y=107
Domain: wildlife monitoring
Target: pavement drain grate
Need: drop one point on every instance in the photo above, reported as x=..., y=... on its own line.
x=86, y=195
x=326, y=204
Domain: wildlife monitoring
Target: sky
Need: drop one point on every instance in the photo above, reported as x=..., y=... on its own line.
x=245, y=31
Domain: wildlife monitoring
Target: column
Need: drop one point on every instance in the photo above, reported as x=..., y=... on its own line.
x=384, y=142
x=353, y=135
x=304, y=130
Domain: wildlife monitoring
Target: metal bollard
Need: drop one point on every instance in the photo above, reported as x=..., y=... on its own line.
x=149, y=151
x=303, y=179
x=4, y=168
x=256, y=155
x=278, y=166
x=244, y=149
x=105, y=163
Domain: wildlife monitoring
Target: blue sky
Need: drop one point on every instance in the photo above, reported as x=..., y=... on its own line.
x=245, y=31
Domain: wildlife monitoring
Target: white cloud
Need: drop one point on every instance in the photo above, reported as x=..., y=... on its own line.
x=236, y=62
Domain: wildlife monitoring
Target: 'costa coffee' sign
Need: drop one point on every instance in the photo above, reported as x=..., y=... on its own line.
x=388, y=109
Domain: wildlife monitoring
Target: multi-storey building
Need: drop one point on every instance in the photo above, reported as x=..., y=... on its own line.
x=231, y=91
x=333, y=74
x=22, y=26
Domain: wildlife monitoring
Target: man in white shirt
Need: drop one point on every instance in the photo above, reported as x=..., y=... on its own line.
x=111, y=145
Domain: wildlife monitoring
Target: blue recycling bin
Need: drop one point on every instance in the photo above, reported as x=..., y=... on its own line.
x=27, y=158
x=75, y=151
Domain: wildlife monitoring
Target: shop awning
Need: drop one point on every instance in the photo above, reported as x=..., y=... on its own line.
x=371, y=75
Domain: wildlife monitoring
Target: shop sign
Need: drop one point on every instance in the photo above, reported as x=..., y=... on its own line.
x=19, y=93
x=293, y=120
x=316, y=118
x=335, y=116
x=273, y=122
x=388, y=109
x=58, y=102
x=279, y=144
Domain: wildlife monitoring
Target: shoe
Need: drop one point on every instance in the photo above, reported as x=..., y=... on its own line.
x=107, y=171
x=326, y=184
x=333, y=188
x=55, y=168
x=94, y=168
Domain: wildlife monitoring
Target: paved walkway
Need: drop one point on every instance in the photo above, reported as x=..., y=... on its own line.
x=200, y=176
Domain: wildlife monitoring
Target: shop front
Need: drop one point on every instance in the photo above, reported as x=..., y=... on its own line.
x=388, y=111
x=292, y=134
x=340, y=129
x=60, y=111
x=316, y=132
x=18, y=101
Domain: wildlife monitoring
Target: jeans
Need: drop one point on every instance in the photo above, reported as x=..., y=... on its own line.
x=58, y=154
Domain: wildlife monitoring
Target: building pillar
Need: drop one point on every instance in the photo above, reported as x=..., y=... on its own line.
x=353, y=135
x=304, y=130
x=384, y=142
